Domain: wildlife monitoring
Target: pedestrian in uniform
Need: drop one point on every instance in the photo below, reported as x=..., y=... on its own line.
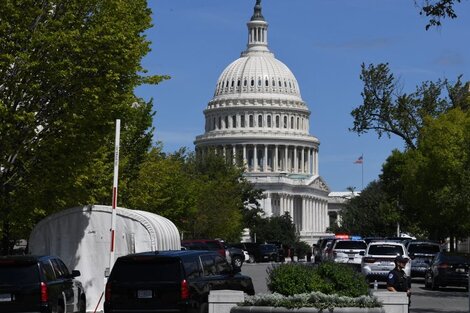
x=397, y=279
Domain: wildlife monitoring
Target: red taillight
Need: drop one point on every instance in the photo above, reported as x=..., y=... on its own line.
x=44, y=293
x=443, y=265
x=107, y=292
x=184, y=290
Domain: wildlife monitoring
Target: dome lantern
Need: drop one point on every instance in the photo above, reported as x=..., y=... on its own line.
x=257, y=32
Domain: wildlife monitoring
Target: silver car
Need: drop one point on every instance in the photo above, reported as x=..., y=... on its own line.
x=348, y=251
x=379, y=259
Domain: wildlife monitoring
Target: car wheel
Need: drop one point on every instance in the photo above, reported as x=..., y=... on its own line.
x=427, y=281
x=237, y=261
x=82, y=305
x=434, y=285
x=252, y=259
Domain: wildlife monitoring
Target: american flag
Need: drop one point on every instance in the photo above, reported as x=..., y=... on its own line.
x=359, y=160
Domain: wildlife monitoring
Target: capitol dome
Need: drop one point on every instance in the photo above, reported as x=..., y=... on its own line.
x=258, y=120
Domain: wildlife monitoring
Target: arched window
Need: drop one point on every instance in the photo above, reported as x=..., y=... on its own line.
x=298, y=123
x=269, y=121
x=213, y=123
x=252, y=82
x=220, y=123
x=234, y=121
x=226, y=121
x=277, y=121
x=285, y=121
x=238, y=83
x=292, y=122
x=242, y=121
x=251, y=121
x=226, y=85
x=266, y=83
x=245, y=83
x=260, y=120
x=233, y=83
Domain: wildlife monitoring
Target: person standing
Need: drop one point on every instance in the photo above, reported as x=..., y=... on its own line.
x=397, y=279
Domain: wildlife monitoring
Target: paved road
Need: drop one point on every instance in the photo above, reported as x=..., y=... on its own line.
x=446, y=300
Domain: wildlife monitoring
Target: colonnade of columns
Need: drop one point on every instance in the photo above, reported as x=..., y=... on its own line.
x=270, y=158
x=308, y=213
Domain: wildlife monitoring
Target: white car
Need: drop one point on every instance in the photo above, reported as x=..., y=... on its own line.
x=348, y=251
x=379, y=259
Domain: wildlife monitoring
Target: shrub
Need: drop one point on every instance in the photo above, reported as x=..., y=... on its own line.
x=345, y=280
x=292, y=278
x=329, y=278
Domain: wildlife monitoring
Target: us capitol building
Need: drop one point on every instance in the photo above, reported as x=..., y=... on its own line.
x=257, y=118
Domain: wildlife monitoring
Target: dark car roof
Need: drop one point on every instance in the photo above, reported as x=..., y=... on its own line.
x=26, y=258
x=171, y=253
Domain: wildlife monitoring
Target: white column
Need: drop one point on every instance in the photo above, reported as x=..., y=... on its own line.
x=296, y=163
x=245, y=163
x=286, y=156
x=304, y=213
x=255, y=158
x=316, y=162
x=234, y=154
x=309, y=167
x=317, y=215
x=265, y=159
x=276, y=158
x=302, y=159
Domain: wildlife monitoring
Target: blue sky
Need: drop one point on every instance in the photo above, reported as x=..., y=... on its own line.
x=323, y=42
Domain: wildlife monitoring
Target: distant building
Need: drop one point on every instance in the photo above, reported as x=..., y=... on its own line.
x=257, y=118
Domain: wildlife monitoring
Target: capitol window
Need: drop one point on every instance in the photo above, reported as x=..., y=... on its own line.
x=285, y=121
x=234, y=121
x=251, y=121
x=292, y=122
x=226, y=121
x=269, y=121
x=242, y=121
x=260, y=120
x=277, y=121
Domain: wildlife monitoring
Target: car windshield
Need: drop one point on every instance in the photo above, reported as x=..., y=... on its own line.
x=423, y=248
x=268, y=248
x=352, y=244
x=147, y=269
x=19, y=274
x=385, y=250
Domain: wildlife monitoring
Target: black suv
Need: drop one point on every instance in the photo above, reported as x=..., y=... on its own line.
x=39, y=284
x=170, y=281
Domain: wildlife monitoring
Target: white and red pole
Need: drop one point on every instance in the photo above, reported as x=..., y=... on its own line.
x=115, y=192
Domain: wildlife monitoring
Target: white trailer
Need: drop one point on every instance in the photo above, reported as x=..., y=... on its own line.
x=81, y=237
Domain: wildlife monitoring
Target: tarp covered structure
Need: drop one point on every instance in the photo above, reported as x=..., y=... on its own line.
x=81, y=237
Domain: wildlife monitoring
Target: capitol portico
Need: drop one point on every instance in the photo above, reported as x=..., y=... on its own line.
x=258, y=119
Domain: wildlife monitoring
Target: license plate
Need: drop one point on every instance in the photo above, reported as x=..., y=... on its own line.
x=144, y=294
x=5, y=297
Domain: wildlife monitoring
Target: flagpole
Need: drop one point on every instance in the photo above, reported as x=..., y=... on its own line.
x=362, y=172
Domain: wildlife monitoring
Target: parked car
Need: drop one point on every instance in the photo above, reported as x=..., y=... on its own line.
x=235, y=255
x=421, y=254
x=251, y=247
x=379, y=257
x=268, y=253
x=170, y=281
x=39, y=284
x=448, y=269
x=281, y=250
x=204, y=244
x=348, y=251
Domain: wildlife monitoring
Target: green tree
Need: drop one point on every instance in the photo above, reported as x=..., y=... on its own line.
x=205, y=197
x=435, y=177
x=67, y=71
x=387, y=110
x=371, y=213
x=276, y=228
x=437, y=10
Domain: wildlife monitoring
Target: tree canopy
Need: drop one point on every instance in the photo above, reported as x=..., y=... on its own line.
x=387, y=110
x=205, y=197
x=437, y=10
x=68, y=70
